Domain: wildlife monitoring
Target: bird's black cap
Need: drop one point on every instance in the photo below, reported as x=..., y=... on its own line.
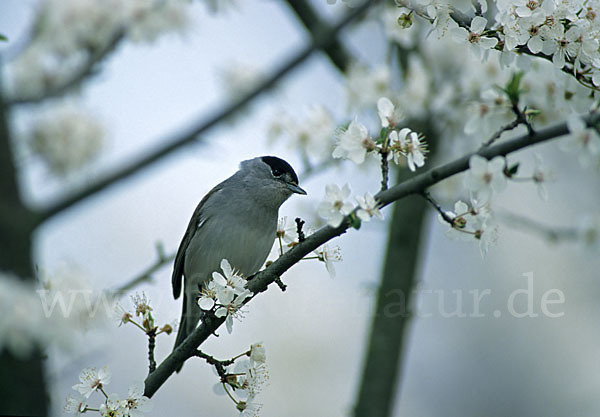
x=280, y=167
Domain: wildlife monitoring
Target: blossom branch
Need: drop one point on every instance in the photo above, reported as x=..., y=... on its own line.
x=415, y=185
x=191, y=134
x=571, y=65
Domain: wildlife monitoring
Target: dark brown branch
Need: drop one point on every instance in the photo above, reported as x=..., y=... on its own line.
x=414, y=185
x=191, y=134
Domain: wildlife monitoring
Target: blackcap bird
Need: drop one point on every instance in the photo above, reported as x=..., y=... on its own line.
x=237, y=221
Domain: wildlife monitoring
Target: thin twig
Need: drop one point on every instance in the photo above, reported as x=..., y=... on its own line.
x=499, y=133
x=280, y=284
x=521, y=119
x=299, y=231
x=191, y=134
x=384, y=170
x=550, y=233
x=151, y=345
x=148, y=273
x=219, y=365
x=439, y=209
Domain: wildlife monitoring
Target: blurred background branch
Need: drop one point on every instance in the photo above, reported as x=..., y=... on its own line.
x=191, y=133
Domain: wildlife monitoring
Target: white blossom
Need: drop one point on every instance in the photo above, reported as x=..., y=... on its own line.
x=475, y=37
x=208, y=296
x=335, y=206
x=582, y=140
x=252, y=376
x=471, y=222
x=407, y=143
x=249, y=408
x=329, y=255
x=563, y=47
x=485, y=177
x=238, y=79
x=388, y=113
x=365, y=85
x=487, y=234
x=369, y=207
x=92, y=379
x=147, y=20
x=143, y=308
x=113, y=407
x=229, y=279
x=231, y=293
x=68, y=33
x=136, y=404
x=66, y=138
x=353, y=143
x=75, y=405
x=258, y=353
x=287, y=230
x=311, y=134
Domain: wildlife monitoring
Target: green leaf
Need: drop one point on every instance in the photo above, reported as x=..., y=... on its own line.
x=382, y=135
x=3, y=38
x=510, y=172
x=513, y=87
x=355, y=221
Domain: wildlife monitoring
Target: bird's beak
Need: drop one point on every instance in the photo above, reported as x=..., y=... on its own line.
x=295, y=189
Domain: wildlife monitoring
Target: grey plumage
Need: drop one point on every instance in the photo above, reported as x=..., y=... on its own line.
x=236, y=220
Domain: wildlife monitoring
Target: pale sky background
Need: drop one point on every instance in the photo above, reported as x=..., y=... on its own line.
x=315, y=331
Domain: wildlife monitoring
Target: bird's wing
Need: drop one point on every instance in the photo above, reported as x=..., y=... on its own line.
x=195, y=223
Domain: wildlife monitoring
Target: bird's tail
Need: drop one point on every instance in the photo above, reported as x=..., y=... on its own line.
x=189, y=320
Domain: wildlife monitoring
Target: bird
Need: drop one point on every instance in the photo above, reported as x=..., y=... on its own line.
x=237, y=221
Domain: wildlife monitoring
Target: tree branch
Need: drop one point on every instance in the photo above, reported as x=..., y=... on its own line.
x=415, y=185
x=146, y=275
x=191, y=133
x=552, y=233
x=336, y=51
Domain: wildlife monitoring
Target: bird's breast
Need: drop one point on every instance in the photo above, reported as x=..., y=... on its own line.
x=245, y=245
